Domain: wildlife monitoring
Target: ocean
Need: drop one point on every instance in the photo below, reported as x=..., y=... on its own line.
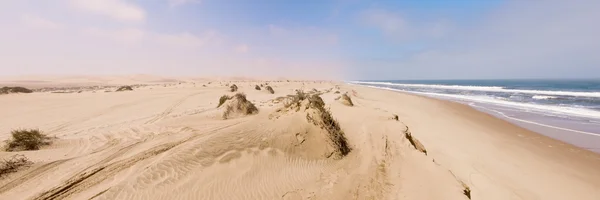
x=568, y=110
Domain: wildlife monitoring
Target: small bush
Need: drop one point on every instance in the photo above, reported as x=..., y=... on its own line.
x=395, y=117
x=8, y=90
x=24, y=139
x=124, y=88
x=223, y=99
x=297, y=99
x=256, y=87
x=233, y=88
x=270, y=89
x=240, y=105
x=12, y=164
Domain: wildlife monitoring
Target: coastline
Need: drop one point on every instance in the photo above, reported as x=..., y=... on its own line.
x=572, y=130
x=503, y=160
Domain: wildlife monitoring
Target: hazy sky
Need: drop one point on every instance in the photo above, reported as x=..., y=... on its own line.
x=342, y=39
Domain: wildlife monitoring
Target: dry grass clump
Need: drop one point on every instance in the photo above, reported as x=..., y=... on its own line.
x=233, y=88
x=336, y=92
x=395, y=117
x=223, y=99
x=13, y=164
x=9, y=90
x=239, y=105
x=327, y=122
x=256, y=87
x=124, y=88
x=314, y=105
x=270, y=89
x=346, y=100
x=295, y=101
x=27, y=139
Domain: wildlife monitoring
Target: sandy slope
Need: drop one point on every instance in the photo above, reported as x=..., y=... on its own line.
x=172, y=143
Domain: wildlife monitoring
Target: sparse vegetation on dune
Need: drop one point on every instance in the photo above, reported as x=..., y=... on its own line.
x=336, y=92
x=346, y=100
x=124, y=88
x=12, y=164
x=223, y=99
x=322, y=117
x=256, y=87
x=239, y=105
x=395, y=117
x=233, y=88
x=27, y=139
x=9, y=90
x=270, y=89
x=327, y=122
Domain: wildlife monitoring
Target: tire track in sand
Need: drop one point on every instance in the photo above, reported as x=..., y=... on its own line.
x=170, y=109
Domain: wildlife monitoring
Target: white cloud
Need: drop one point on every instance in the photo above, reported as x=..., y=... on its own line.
x=38, y=22
x=128, y=35
x=116, y=9
x=241, y=48
x=187, y=39
x=174, y=3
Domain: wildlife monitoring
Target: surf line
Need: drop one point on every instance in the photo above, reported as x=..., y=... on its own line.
x=536, y=123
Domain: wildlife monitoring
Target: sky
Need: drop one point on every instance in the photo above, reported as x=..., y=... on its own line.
x=318, y=39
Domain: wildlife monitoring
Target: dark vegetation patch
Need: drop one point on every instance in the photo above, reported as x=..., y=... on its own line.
x=256, y=87
x=124, y=88
x=10, y=90
x=233, y=88
x=223, y=99
x=270, y=89
x=27, y=139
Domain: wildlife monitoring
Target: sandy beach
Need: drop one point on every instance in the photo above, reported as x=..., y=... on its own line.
x=170, y=139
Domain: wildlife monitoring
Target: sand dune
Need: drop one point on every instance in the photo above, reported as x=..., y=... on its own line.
x=172, y=142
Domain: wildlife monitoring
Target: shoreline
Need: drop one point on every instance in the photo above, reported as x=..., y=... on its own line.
x=583, y=139
x=483, y=145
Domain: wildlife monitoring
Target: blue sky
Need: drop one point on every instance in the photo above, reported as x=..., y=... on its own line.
x=338, y=39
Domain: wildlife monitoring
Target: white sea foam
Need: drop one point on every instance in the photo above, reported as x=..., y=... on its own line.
x=487, y=89
x=543, y=97
x=560, y=110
